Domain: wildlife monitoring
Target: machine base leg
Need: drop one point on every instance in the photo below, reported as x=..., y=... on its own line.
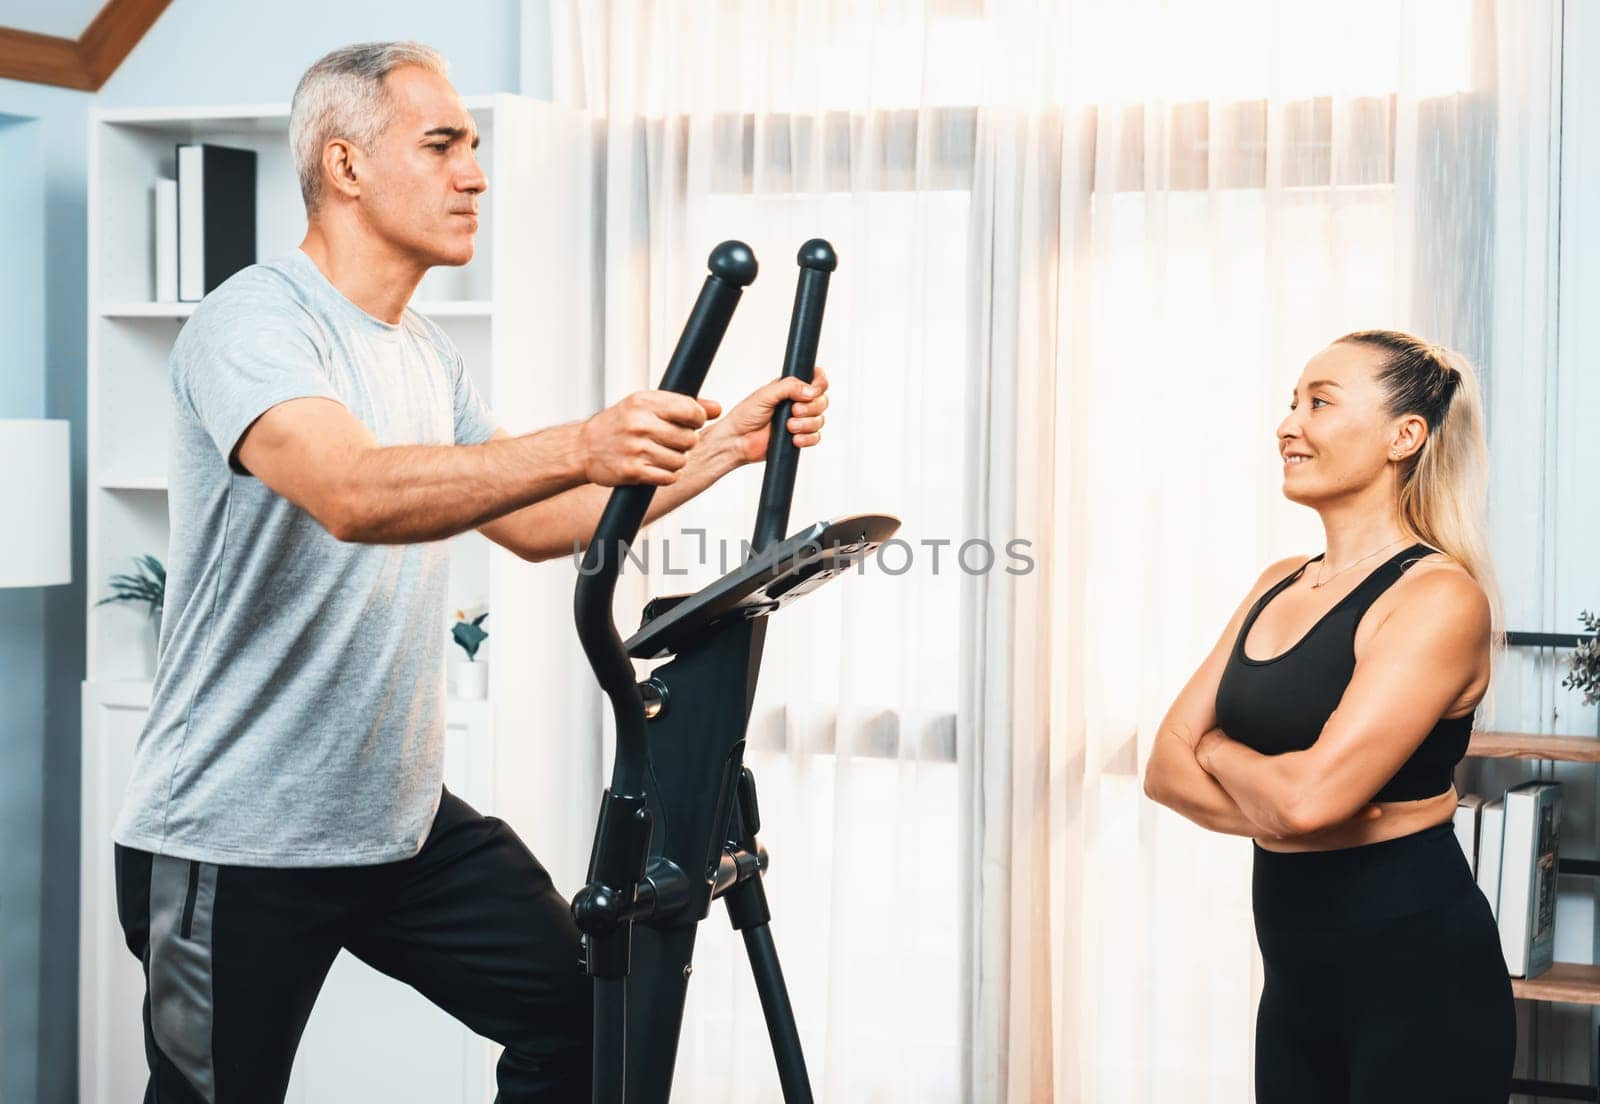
x=610, y=1039
x=657, y=988
x=780, y=1015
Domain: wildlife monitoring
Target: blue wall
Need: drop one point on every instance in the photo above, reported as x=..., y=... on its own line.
x=198, y=52
x=22, y=715
x=41, y=659
x=239, y=52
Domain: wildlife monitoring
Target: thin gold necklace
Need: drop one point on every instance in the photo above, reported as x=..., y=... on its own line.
x=1348, y=566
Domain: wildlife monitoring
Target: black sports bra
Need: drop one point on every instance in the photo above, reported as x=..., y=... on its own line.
x=1281, y=704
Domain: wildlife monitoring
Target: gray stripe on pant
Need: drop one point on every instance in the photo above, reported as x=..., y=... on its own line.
x=181, y=1011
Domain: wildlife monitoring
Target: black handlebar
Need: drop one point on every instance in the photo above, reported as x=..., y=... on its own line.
x=732, y=267
x=816, y=261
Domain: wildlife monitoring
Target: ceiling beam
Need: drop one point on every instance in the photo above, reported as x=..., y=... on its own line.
x=87, y=62
x=42, y=59
x=113, y=35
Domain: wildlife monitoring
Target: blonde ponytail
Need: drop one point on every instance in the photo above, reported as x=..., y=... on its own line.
x=1444, y=487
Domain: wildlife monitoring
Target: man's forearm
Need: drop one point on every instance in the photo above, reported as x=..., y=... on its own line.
x=564, y=525
x=404, y=494
x=1188, y=790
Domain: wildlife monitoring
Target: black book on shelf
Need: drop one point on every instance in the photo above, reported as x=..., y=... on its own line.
x=216, y=216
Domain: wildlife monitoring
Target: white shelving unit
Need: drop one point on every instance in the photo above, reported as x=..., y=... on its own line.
x=499, y=310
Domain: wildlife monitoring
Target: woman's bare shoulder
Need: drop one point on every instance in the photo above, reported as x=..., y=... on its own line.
x=1431, y=561
x=1438, y=581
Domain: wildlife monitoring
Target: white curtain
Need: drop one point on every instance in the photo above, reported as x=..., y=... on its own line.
x=758, y=122
x=1085, y=249
x=1179, y=205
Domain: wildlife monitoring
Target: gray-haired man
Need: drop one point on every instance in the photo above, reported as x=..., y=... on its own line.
x=287, y=796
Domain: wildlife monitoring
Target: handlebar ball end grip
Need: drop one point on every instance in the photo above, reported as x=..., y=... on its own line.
x=733, y=262
x=818, y=254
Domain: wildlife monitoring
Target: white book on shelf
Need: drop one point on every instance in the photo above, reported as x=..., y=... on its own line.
x=1528, y=877
x=191, y=223
x=1491, y=829
x=166, y=223
x=1468, y=810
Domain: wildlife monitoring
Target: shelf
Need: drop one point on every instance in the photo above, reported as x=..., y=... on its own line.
x=1530, y=745
x=265, y=116
x=439, y=308
x=1564, y=982
x=148, y=310
x=118, y=482
x=135, y=694
x=1546, y=640
x=122, y=693
x=268, y=116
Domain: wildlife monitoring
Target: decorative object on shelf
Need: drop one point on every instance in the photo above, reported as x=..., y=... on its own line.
x=149, y=585
x=472, y=676
x=36, y=500
x=1585, y=662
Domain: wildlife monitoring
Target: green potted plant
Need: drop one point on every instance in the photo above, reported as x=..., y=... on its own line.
x=147, y=583
x=471, y=676
x=1585, y=662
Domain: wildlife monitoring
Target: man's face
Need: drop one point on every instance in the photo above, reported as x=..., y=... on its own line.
x=420, y=186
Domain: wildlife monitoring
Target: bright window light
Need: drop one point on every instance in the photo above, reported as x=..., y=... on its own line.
x=905, y=56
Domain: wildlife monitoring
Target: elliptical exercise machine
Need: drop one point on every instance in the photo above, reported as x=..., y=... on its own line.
x=677, y=826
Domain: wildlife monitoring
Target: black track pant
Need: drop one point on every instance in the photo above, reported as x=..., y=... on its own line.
x=234, y=957
x=1384, y=977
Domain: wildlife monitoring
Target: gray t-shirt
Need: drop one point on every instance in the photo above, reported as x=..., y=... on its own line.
x=297, y=716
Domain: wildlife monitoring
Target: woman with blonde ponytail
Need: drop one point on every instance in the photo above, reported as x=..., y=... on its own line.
x=1326, y=724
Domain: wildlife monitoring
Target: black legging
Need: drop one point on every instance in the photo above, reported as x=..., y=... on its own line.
x=1384, y=977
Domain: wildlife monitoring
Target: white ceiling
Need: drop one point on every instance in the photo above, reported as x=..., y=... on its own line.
x=62, y=18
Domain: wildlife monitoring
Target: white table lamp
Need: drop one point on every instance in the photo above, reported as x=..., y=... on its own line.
x=35, y=502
